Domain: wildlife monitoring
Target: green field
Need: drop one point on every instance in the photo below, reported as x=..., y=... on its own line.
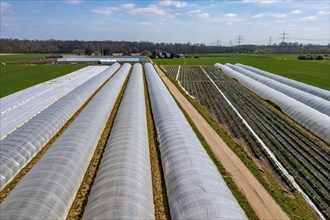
x=316, y=73
x=17, y=77
x=15, y=57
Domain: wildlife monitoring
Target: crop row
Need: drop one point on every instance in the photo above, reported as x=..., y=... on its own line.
x=172, y=70
x=209, y=97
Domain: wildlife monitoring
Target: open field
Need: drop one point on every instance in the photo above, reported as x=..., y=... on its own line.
x=4, y=58
x=314, y=73
x=14, y=78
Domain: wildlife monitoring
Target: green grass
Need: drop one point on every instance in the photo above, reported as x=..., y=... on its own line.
x=316, y=73
x=15, y=57
x=14, y=78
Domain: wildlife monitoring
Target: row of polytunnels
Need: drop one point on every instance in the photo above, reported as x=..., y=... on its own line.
x=18, y=108
x=123, y=184
x=298, y=102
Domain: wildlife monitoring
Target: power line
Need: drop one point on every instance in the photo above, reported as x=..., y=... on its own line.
x=284, y=36
x=254, y=41
x=218, y=42
x=239, y=39
x=310, y=39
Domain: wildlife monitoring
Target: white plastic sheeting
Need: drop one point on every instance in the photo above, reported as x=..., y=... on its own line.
x=26, y=95
x=49, y=188
x=195, y=188
x=122, y=188
x=311, y=100
x=299, y=85
x=18, y=108
x=18, y=148
x=316, y=122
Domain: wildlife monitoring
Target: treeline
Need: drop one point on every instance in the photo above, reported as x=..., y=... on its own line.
x=109, y=47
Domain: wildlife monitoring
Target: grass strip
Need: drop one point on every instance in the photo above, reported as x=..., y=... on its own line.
x=162, y=210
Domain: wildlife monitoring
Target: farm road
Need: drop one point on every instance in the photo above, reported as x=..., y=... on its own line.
x=260, y=200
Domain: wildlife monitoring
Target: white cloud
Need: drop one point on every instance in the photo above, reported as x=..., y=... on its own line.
x=309, y=18
x=144, y=23
x=260, y=15
x=4, y=7
x=230, y=15
x=74, y=2
x=174, y=15
x=203, y=15
x=279, y=15
x=131, y=8
x=149, y=10
x=229, y=23
x=261, y=1
x=199, y=14
x=295, y=12
x=178, y=4
x=127, y=6
x=322, y=12
x=104, y=11
x=197, y=11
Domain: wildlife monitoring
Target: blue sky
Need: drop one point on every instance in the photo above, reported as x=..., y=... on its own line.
x=204, y=21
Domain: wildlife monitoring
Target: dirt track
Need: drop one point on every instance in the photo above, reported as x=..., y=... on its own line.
x=260, y=200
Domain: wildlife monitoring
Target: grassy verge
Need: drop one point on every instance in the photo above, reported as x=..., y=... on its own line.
x=14, y=78
x=293, y=204
x=162, y=210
